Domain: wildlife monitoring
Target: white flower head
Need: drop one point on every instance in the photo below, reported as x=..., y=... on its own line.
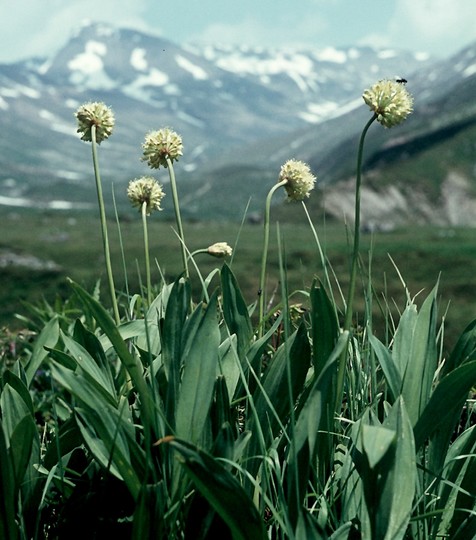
x=299, y=179
x=95, y=113
x=145, y=190
x=390, y=101
x=160, y=145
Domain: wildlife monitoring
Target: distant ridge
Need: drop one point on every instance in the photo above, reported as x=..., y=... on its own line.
x=239, y=109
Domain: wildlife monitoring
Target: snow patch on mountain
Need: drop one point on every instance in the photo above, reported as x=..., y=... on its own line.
x=197, y=72
x=90, y=60
x=87, y=68
x=470, y=70
x=142, y=87
x=138, y=61
x=330, y=54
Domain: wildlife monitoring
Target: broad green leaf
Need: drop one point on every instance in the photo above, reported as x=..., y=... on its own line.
x=281, y=385
x=129, y=361
x=254, y=361
x=415, y=354
x=9, y=378
x=376, y=440
x=318, y=411
x=402, y=347
x=464, y=350
x=448, y=397
x=454, y=474
x=325, y=326
x=103, y=435
x=463, y=524
x=127, y=330
x=228, y=363
x=8, y=526
x=200, y=368
x=307, y=528
x=149, y=521
x=235, y=311
x=313, y=431
x=343, y=532
x=387, y=473
x=295, y=356
x=85, y=389
x=14, y=409
x=97, y=375
x=222, y=491
x=396, y=503
x=178, y=306
x=91, y=343
x=48, y=338
x=389, y=367
x=21, y=444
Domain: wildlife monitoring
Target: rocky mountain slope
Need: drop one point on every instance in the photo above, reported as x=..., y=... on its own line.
x=241, y=112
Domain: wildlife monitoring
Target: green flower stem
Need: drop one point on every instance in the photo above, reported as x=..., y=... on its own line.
x=178, y=219
x=146, y=251
x=102, y=215
x=264, y=255
x=355, y=253
x=353, y=271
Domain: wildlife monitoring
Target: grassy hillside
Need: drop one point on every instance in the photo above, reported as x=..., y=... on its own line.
x=73, y=242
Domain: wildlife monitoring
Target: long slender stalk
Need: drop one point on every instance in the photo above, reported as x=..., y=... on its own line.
x=355, y=252
x=178, y=218
x=264, y=255
x=146, y=251
x=102, y=215
x=353, y=271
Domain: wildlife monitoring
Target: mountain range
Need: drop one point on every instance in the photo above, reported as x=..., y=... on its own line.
x=241, y=112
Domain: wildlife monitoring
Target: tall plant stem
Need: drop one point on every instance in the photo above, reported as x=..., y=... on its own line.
x=102, y=215
x=178, y=218
x=355, y=252
x=264, y=255
x=354, y=263
x=146, y=251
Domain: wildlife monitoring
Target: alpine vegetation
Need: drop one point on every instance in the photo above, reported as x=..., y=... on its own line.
x=180, y=411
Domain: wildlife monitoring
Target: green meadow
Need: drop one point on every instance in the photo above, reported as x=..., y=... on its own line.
x=420, y=255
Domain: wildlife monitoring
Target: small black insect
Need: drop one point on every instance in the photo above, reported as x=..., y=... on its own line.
x=401, y=81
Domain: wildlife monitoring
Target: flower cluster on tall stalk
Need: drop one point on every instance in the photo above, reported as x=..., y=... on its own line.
x=146, y=194
x=160, y=149
x=298, y=181
x=95, y=124
x=390, y=103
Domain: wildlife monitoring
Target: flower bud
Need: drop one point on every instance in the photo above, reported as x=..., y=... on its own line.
x=220, y=250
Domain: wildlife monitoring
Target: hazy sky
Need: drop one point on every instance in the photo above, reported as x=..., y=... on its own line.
x=441, y=27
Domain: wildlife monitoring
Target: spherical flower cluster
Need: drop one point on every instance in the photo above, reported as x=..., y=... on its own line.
x=95, y=114
x=160, y=145
x=220, y=250
x=145, y=190
x=390, y=101
x=299, y=179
